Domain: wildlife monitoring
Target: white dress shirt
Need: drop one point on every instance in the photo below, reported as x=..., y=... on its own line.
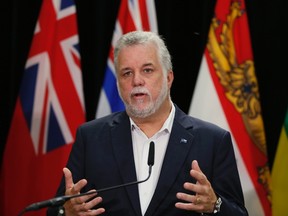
x=141, y=145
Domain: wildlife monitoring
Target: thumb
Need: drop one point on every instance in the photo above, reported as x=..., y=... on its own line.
x=68, y=178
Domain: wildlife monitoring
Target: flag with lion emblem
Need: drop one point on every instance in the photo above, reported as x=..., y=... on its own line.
x=227, y=94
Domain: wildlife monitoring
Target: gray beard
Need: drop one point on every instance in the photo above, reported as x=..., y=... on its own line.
x=152, y=107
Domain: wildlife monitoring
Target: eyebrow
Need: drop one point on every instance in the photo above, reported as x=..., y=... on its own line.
x=148, y=64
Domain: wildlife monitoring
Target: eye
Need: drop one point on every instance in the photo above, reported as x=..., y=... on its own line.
x=148, y=70
x=127, y=73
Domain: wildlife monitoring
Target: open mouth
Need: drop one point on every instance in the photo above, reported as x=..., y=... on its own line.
x=139, y=94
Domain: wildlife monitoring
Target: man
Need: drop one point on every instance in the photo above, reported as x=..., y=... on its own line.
x=194, y=172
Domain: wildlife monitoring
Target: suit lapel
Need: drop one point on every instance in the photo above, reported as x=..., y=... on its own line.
x=123, y=151
x=178, y=147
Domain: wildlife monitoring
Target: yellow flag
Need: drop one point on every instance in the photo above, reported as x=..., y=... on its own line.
x=280, y=174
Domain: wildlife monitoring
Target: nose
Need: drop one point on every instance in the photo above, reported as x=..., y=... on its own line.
x=138, y=79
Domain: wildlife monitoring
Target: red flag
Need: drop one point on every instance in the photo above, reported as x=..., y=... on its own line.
x=49, y=108
x=133, y=15
x=227, y=94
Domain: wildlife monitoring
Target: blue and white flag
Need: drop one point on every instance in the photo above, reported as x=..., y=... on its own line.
x=133, y=15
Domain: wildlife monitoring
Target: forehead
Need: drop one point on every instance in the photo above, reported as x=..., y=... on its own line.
x=138, y=52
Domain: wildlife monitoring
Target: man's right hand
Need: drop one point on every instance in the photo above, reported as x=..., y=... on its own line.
x=80, y=205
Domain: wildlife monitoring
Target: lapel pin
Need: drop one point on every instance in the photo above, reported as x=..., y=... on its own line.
x=183, y=140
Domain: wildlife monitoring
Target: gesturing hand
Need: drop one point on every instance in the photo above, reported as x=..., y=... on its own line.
x=204, y=199
x=79, y=205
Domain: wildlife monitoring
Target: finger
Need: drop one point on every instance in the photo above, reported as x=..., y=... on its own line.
x=195, y=199
x=91, y=212
x=192, y=187
x=95, y=211
x=195, y=166
x=84, y=206
x=185, y=197
x=72, y=188
x=93, y=202
x=92, y=193
x=86, y=198
x=190, y=202
x=78, y=186
x=197, y=173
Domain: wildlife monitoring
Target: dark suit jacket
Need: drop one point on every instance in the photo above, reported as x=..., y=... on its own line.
x=103, y=154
